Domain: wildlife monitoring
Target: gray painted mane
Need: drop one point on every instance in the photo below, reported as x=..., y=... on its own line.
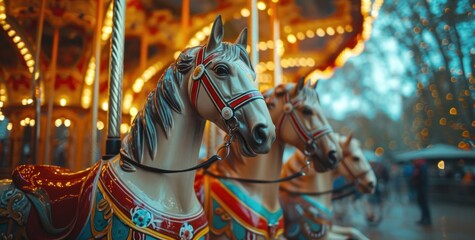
x=158, y=110
x=306, y=92
x=165, y=98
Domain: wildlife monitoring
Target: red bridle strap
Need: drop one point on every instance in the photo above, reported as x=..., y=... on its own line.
x=202, y=78
x=306, y=136
x=356, y=177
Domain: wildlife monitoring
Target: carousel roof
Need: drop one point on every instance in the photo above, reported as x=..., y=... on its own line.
x=314, y=35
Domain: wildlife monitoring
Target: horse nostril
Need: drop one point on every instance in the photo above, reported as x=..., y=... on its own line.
x=260, y=133
x=332, y=159
x=371, y=185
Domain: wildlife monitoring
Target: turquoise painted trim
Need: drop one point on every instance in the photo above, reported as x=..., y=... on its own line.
x=239, y=232
x=318, y=205
x=272, y=217
x=86, y=231
x=99, y=222
x=120, y=231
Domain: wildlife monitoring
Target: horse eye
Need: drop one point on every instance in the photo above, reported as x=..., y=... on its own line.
x=356, y=159
x=307, y=111
x=221, y=70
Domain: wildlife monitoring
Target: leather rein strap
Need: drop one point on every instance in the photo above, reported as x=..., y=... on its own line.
x=246, y=180
x=203, y=164
x=346, y=186
x=227, y=108
x=355, y=182
x=356, y=177
x=308, y=137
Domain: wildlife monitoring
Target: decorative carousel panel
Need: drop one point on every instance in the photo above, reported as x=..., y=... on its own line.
x=318, y=32
x=58, y=12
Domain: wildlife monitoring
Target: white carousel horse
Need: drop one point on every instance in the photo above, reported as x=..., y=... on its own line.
x=306, y=201
x=135, y=195
x=240, y=195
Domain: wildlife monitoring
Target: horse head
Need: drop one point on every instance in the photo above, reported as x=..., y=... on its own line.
x=355, y=166
x=301, y=123
x=222, y=90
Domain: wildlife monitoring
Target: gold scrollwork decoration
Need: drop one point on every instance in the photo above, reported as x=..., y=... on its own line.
x=227, y=230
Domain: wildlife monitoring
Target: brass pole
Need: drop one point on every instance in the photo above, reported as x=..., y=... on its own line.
x=116, y=66
x=185, y=20
x=54, y=60
x=254, y=32
x=275, y=38
x=36, y=84
x=143, y=52
x=95, y=87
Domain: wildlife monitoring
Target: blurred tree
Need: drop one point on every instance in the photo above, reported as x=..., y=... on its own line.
x=439, y=35
x=417, y=70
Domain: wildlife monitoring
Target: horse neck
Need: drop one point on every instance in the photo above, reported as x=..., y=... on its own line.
x=181, y=149
x=312, y=182
x=263, y=167
x=174, y=192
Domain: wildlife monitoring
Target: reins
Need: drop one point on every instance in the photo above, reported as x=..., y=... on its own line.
x=205, y=164
x=226, y=108
x=355, y=182
x=303, y=171
x=309, y=138
x=342, y=188
x=356, y=177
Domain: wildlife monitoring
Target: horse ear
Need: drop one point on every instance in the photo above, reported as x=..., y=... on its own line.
x=348, y=139
x=314, y=86
x=300, y=85
x=216, y=35
x=242, y=38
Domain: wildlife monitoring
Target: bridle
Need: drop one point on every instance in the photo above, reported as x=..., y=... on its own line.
x=356, y=180
x=309, y=138
x=200, y=77
x=226, y=108
x=356, y=177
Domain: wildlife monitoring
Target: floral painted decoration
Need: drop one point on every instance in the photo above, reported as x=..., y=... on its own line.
x=186, y=231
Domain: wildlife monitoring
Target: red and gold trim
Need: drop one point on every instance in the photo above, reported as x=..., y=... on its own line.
x=241, y=212
x=164, y=225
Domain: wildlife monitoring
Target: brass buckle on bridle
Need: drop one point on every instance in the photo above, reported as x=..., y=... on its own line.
x=225, y=149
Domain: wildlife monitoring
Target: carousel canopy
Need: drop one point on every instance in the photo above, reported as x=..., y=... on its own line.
x=304, y=35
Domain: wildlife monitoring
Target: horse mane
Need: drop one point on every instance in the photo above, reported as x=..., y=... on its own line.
x=306, y=92
x=235, y=51
x=165, y=98
x=158, y=110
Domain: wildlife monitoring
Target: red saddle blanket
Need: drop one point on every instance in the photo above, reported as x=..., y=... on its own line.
x=65, y=195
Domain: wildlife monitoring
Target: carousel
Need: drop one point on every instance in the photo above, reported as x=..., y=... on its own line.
x=168, y=119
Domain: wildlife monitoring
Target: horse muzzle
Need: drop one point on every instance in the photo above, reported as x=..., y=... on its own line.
x=367, y=187
x=323, y=163
x=262, y=138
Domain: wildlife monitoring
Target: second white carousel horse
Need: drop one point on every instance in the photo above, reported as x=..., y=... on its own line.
x=146, y=192
x=240, y=195
x=306, y=201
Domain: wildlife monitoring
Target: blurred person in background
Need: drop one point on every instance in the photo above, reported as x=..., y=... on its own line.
x=419, y=180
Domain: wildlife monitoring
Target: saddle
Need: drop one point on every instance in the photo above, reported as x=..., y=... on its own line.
x=59, y=196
